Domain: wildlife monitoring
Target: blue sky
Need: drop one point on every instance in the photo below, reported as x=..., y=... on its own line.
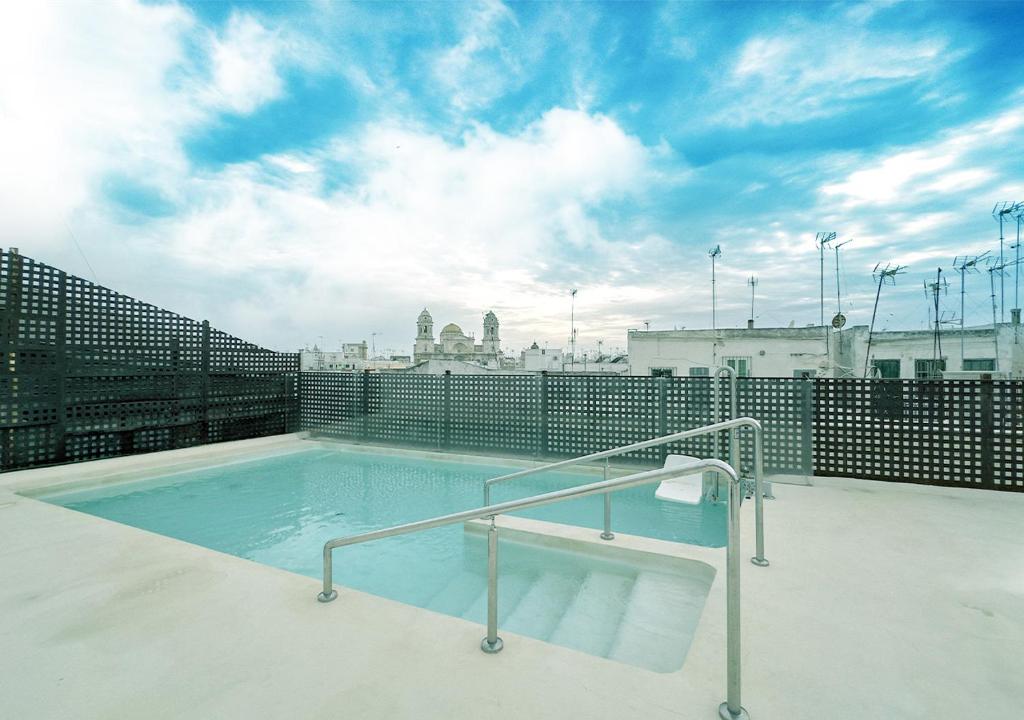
x=296, y=170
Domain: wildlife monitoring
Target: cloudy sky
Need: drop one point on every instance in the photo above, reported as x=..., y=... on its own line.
x=291, y=171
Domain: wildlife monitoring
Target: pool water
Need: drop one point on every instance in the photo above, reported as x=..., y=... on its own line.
x=280, y=510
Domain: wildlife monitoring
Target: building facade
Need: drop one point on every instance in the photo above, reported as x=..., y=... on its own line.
x=818, y=351
x=454, y=344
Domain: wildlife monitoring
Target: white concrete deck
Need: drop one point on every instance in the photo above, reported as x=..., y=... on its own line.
x=882, y=601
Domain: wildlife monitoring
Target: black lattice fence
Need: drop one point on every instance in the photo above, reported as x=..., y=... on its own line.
x=90, y=373
x=548, y=415
x=957, y=433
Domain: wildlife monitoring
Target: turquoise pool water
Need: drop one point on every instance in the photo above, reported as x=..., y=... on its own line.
x=280, y=510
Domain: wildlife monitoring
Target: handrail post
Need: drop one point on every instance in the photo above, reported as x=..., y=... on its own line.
x=759, y=558
x=607, y=534
x=328, y=593
x=492, y=643
x=731, y=709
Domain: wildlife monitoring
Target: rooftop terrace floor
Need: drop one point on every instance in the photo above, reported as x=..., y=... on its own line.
x=881, y=601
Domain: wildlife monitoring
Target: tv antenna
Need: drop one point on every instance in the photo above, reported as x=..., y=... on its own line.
x=839, y=320
x=714, y=253
x=883, y=276
x=999, y=267
x=934, y=289
x=965, y=264
x=1017, y=212
x=822, y=240
x=572, y=323
x=373, y=345
x=1000, y=212
x=752, y=282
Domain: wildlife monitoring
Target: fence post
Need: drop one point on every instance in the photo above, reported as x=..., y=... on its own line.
x=662, y=416
x=204, y=433
x=543, y=384
x=806, y=427
x=61, y=369
x=446, y=410
x=364, y=406
x=987, y=434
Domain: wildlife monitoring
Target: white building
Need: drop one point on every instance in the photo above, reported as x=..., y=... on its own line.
x=351, y=358
x=823, y=352
x=455, y=344
x=537, y=359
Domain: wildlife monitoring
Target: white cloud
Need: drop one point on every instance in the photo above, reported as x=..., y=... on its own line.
x=815, y=71
x=244, y=65
x=464, y=225
x=476, y=70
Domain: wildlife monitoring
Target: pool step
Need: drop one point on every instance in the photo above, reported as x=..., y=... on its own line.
x=458, y=594
x=543, y=605
x=511, y=589
x=590, y=622
x=657, y=626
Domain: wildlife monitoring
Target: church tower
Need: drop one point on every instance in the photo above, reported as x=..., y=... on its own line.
x=491, y=343
x=424, y=336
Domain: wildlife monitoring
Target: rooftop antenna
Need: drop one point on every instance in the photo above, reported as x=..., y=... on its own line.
x=373, y=344
x=934, y=289
x=999, y=267
x=1017, y=211
x=822, y=240
x=884, y=276
x=572, y=323
x=966, y=264
x=999, y=212
x=714, y=253
x=839, y=320
x=752, y=282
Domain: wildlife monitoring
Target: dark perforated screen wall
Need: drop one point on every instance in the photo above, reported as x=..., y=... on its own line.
x=961, y=433
x=90, y=373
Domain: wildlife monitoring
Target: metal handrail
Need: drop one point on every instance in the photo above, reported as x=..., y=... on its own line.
x=731, y=425
x=731, y=708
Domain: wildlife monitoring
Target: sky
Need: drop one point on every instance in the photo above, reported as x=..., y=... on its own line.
x=303, y=173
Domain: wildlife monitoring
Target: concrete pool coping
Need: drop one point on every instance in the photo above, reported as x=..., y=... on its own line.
x=882, y=600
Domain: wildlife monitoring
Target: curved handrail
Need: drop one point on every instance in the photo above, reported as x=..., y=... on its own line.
x=492, y=643
x=731, y=425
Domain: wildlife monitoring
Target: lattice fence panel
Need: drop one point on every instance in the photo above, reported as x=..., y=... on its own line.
x=689, y=403
x=90, y=373
x=495, y=413
x=922, y=431
x=590, y=413
x=406, y=409
x=782, y=406
x=332, y=403
x=1008, y=434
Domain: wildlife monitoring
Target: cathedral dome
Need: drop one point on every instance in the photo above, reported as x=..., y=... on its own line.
x=451, y=329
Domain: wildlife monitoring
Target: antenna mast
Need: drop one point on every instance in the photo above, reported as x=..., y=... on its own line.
x=752, y=282
x=965, y=264
x=887, y=275
x=999, y=212
x=934, y=289
x=838, y=321
x=822, y=240
x=572, y=324
x=714, y=253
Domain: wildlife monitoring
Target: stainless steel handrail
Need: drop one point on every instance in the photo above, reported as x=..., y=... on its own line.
x=731, y=708
x=731, y=425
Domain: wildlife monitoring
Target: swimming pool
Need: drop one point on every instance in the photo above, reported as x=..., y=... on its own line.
x=280, y=510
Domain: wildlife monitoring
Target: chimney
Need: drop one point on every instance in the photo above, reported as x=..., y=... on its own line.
x=1015, y=316
x=750, y=323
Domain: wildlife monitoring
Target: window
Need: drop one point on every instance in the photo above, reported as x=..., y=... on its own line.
x=929, y=369
x=805, y=373
x=886, y=369
x=699, y=372
x=740, y=364
x=987, y=364
x=663, y=372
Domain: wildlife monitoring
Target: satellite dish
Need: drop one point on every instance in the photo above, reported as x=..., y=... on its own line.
x=838, y=321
